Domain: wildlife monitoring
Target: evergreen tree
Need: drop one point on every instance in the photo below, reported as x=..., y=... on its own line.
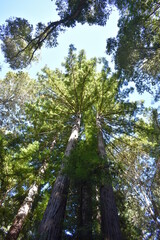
x=136, y=48
x=80, y=104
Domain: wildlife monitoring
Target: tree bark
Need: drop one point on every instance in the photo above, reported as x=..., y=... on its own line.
x=85, y=213
x=109, y=215
x=25, y=208
x=52, y=222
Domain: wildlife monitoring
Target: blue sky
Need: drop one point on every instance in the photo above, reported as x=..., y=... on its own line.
x=90, y=38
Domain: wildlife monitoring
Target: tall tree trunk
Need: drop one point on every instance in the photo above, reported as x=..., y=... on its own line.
x=25, y=208
x=109, y=214
x=85, y=213
x=52, y=222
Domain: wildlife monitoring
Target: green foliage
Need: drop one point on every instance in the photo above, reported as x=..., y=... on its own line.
x=13, y=179
x=134, y=186
x=136, y=48
x=49, y=118
x=16, y=90
x=16, y=34
x=83, y=162
x=69, y=90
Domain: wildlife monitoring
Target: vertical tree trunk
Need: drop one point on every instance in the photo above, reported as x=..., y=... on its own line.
x=85, y=221
x=25, y=208
x=109, y=214
x=52, y=222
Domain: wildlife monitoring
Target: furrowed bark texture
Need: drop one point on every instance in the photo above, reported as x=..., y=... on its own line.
x=109, y=214
x=51, y=225
x=22, y=214
x=52, y=222
x=85, y=228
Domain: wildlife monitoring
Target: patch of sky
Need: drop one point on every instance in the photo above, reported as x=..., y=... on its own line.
x=46, y=186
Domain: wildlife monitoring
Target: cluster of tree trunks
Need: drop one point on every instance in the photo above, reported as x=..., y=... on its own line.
x=52, y=222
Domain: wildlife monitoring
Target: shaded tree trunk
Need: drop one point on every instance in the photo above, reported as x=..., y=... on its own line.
x=109, y=215
x=51, y=225
x=52, y=222
x=25, y=208
x=85, y=212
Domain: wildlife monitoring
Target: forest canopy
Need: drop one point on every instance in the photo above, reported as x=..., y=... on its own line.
x=79, y=159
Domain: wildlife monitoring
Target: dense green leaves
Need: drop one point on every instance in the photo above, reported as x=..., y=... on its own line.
x=16, y=90
x=16, y=35
x=136, y=48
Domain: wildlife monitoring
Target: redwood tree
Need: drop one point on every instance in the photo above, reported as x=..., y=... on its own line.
x=51, y=225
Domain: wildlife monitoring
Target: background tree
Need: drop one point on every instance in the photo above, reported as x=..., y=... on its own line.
x=134, y=195
x=136, y=48
x=16, y=90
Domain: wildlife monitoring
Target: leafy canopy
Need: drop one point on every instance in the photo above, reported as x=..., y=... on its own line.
x=136, y=49
x=20, y=41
